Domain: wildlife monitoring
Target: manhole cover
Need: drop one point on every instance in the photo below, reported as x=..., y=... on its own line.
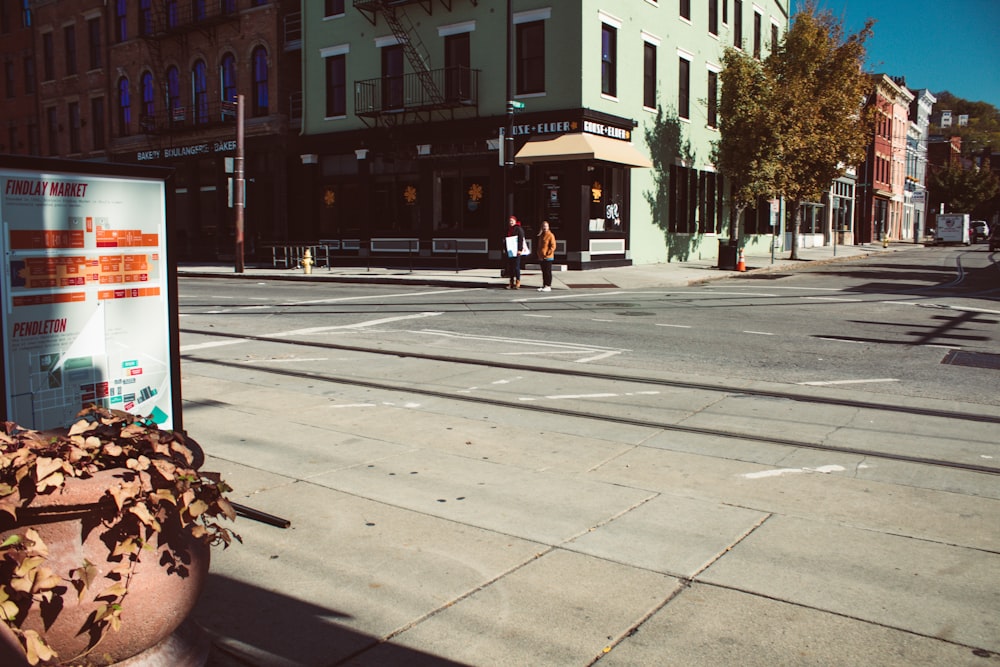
x=973, y=359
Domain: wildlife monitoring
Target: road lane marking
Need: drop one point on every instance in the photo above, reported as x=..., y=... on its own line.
x=778, y=472
x=832, y=382
x=571, y=397
x=759, y=333
x=841, y=340
x=675, y=326
x=832, y=298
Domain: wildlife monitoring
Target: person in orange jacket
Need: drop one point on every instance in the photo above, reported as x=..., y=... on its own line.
x=546, y=255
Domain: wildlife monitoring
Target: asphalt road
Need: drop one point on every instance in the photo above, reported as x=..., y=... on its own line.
x=771, y=471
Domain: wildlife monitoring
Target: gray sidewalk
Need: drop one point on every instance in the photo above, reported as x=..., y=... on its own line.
x=631, y=277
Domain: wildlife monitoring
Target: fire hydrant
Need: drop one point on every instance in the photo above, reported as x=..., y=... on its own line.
x=307, y=262
x=885, y=241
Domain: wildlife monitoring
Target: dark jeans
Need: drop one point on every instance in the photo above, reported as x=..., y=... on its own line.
x=546, y=265
x=514, y=267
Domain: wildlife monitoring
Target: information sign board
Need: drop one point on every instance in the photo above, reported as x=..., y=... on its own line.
x=86, y=296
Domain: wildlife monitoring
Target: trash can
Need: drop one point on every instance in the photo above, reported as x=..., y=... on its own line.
x=727, y=255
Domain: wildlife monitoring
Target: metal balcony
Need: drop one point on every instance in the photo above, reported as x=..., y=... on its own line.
x=182, y=16
x=385, y=100
x=370, y=8
x=188, y=118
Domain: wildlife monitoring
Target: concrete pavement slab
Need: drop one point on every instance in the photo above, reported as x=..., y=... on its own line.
x=708, y=626
x=544, y=506
x=931, y=589
x=833, y=496
x=560, y=609
x=670, y=534
x=348, y=573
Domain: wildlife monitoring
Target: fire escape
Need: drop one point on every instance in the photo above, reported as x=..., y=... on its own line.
x=426, y=93
x=175, y=21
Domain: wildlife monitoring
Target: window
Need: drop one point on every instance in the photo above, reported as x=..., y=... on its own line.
x=199, y=91
x=12, y=141
x=227, y=76
x=228, y=6
x=198, y=9
x=738, y=24
x=713, y=99
x=684, y=88
x=121, y=20
x=725, y=11
x=94, y=43
x=392, y=77
x=333, y=7
x=260, y=88
x=52, y=125
x=124, y=107
x=26, y=23
x=530, y=58
x=757, y=39
x=774, y=37
x=173, y=19
x=457, y=63
x=74, y=127
x=147, y=119
x=713, y=17
x=649, y=75
x=48, y=57
x=145, y=17
x=4, y=18
x=8, y=76
x=29, y=76
x=609, y=65
x=336, y=86
x=174, y=94
x=685, y=8
x=97, y=123
x=69, y=42
x=34, y=138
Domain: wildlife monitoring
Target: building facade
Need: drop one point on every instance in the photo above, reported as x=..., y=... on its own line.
x=613, y=118
x=879, y=209
x=21, y=133
x=915, y=202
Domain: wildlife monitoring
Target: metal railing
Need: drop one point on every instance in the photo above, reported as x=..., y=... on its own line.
x=459, y=87
x=188, y=117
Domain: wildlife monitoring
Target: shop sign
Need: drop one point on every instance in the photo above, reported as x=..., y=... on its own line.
x=607, y=130
x=186, y=151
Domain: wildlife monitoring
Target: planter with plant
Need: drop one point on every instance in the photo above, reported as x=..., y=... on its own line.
x=105, y=529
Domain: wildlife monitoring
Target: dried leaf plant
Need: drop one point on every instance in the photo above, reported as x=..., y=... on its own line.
x=159, y=486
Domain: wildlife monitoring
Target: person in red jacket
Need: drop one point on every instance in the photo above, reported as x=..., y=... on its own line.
x=514, y=248
x=546, y=255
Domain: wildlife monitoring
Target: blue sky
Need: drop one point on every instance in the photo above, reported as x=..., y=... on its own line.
x=941, y=45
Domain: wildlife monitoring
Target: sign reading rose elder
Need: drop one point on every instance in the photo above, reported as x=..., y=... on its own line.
x=86, y=293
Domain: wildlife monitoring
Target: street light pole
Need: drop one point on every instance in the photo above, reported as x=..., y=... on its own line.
x=508, y=138
x=238, y=184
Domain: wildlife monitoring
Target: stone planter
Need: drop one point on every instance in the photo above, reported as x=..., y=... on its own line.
x=163, y=590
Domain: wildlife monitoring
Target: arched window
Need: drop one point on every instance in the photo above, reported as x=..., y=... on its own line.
x=199, y=91
x=175, y=112
x=172, y=17
x=147, y=120
x=227, y=75
x=260, y=92
x=124, y=107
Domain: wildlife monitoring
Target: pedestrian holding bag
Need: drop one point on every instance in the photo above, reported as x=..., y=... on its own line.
x=512, y=249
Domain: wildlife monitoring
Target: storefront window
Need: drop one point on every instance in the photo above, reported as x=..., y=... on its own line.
x=607, y=199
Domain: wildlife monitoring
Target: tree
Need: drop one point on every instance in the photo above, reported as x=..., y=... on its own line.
x=743, y=152
x=817, y=90
x=962, y=190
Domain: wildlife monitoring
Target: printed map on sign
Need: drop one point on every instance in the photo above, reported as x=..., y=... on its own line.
x=84, y=294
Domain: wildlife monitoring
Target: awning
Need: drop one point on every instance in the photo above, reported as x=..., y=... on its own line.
x=581, y=146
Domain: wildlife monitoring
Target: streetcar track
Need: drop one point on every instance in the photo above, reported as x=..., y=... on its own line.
x=598, y=375
x=566, y=412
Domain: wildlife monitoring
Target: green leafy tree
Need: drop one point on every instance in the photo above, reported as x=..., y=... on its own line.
x=743, y=152
x=962, y=190
x=983, y=129
x=817, y=88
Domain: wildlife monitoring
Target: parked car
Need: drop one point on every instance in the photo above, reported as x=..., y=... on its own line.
x=979, y=230
x=995, y=239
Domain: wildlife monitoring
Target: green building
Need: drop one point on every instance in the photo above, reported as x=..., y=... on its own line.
x=405, y=110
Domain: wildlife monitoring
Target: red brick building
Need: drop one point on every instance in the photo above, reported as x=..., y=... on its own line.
x=20, y=133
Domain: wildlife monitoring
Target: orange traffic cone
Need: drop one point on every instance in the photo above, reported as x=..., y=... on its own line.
x=741, y=263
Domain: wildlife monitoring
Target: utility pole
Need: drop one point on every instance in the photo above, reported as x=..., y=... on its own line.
x=508, y=138
x=239, y=184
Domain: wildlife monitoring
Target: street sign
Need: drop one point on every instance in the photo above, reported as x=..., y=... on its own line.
x=516, y=104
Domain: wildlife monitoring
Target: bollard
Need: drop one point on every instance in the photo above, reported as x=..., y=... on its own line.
x=307, y=262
